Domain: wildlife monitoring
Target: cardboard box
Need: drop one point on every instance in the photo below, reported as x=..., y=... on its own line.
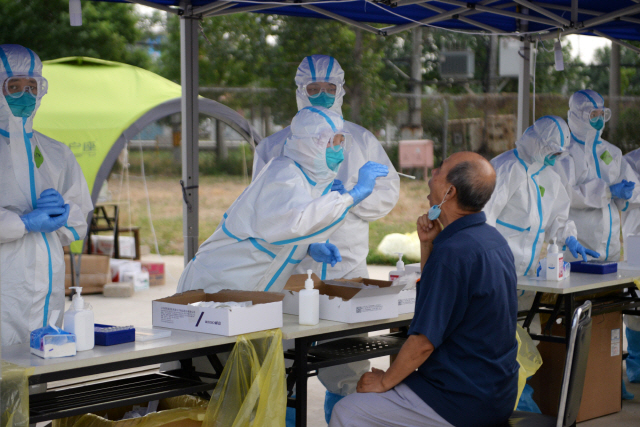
x=156, y=272
x=175, y=312
x=602, y=393
x=103, y=245
x=121, y=266
x=348, y=301
x=407, y=301
x=94, y=273
x=140, y=279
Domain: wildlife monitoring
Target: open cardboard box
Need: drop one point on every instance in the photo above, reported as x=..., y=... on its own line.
x=175, y=312
x=348, y=301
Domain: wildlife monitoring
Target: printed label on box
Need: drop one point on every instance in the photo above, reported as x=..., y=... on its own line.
x=368, y=308
x=615, y=335
x=170, y=314
x=406, y=301
x=615, y=349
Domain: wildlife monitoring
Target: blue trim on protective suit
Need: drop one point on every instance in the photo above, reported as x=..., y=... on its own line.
x=626, y=206
x=579, y=141
x=297, y=239
x=609, y=238
x=514, y=227
x=535, y=241
x=261, y=248
x=228, y=233
x=73, y=231
x=309, y=180
x=279, y=272
x=312, y=68
x=5, y=62
x=329, y=68
x=595, y=155
x=32, y=180
x=46, y=300
x=8, y=135
x=324, y=264
x=559, y=128
x=524, y=165
x=590, y=98
x=33, y=61
x=315, y=110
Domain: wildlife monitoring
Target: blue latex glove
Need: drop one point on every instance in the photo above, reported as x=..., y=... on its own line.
x=43, y=219
x=337, y=186
x=576, y=248
x=367, y=180
x=325, y=252
x=623, y=189
x=50, y=198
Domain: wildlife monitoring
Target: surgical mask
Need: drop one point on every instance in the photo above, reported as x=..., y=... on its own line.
x=334, y=158
x=435, y=211
x=23, y=106
x=322, y=99
x=550, y=160
x=597, y=123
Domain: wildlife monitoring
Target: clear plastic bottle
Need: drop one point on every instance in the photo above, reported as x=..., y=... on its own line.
x=555, y=262
x=78, y=320
x=399, y=271
x=309, y=300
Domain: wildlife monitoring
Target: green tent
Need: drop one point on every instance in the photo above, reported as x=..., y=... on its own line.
x=96, y=106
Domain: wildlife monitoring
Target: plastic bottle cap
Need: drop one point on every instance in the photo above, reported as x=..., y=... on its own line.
x=553, y=248
x=308, y=284
x=78, y=301
x=400, y=263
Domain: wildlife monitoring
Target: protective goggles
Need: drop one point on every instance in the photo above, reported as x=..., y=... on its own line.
x=315, y=88
x=16, y=86
x=338, y=140
x=597, y=112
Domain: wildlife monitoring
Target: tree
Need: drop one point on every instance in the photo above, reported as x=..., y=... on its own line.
x=109, y=31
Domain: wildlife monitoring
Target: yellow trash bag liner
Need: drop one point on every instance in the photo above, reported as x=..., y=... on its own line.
x=14, y=399
x=180, y=411
x=251, y=391
x=528, y=357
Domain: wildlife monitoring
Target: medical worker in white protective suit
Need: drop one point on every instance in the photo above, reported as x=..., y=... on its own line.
x=601, y=182
x=44, y=204
x=287, y=212
x=631, y=226
x=320, y=82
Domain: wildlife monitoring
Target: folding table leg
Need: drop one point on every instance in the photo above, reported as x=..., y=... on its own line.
x=569, y=308
x=302, y=347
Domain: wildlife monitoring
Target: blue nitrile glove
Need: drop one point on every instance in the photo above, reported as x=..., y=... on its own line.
x=623, y=189
x=367, y=180
x=43, y=219
x=324, y=252
x=576, y=248
x=50, y=198
x=337, y=186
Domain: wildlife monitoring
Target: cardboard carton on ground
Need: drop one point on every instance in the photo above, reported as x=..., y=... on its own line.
x=121, y=266
x=94, y=273
x=348, y=301
x=156, y=272
x=175, y=312
x=602, y=393
x=103, y=245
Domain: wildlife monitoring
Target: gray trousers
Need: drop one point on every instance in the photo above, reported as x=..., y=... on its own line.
x=398, y=407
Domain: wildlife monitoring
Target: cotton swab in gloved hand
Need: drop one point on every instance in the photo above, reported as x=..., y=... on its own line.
x=406, y=176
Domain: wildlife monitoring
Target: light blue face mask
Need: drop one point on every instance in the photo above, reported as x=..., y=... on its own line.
x=435, y=211
x=550, y=160
x=334, y=158
x=597, y=123
x=23, y=106
x=322, y=99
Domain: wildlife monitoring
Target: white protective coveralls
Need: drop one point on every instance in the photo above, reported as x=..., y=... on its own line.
x=32, y=267
x=591, y=167
x=530, y=204
x=267, y=230
x=353, y=239
x=631, y=223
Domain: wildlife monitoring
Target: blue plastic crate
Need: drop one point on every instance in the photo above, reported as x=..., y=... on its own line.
x=594, y=267
x=112, y=335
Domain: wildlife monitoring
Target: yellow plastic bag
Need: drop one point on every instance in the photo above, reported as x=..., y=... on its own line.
x=528, y=357
x=181, y=411
x=251, y=391
x=14, y=400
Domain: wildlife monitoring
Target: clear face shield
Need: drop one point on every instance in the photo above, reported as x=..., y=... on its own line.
x=16, y=86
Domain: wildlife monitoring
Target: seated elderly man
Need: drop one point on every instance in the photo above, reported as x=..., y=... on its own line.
x=458, y=367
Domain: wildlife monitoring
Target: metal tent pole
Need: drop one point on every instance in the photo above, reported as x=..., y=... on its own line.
x=524, y=80
x=190, y=112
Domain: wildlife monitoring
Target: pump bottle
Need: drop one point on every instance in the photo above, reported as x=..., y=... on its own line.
x=399, y=271
x=555, y=262
x=309, y=300
x=78, y=320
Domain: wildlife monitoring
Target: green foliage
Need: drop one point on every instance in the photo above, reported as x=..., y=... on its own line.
x=598, y=72
x=109, y=31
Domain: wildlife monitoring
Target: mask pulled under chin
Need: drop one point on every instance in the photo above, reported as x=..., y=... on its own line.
x=322, y=100
x=23, y=106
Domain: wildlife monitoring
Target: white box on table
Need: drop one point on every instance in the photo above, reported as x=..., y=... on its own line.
x=175, y=312
x=407, y=301
x=345, y=301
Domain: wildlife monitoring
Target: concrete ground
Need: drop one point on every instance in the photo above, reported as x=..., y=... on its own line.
x=137, y=311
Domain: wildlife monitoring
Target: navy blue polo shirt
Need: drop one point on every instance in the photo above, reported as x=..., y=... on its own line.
x=467, y=307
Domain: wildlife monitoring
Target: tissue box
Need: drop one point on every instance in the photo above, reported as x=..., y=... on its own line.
x=50, y=342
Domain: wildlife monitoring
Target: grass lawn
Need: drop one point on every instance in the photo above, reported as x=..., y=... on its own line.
x=217, y=193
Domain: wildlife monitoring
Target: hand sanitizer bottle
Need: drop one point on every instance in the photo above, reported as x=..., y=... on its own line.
x=78, y=320
x=555, y=262
x=309, y=299
x=399, y=271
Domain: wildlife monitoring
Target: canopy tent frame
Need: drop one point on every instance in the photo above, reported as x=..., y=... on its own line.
x=525, y=12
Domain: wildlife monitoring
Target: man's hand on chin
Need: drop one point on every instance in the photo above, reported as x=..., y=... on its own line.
x=371, y=382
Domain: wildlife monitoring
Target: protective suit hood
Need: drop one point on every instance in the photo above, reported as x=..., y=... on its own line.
x=319, y=68
x=548, y=135
x=19, y=61
x=580, y=105
x=311, y=129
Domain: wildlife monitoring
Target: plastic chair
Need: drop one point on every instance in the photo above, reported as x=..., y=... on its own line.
x=573, y=380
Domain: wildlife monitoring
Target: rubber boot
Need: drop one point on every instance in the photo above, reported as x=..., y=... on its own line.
x=633, y=360
x=330, y=400
x=526, y=402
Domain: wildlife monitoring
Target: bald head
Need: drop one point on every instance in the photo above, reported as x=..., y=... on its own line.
x=473, y=177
